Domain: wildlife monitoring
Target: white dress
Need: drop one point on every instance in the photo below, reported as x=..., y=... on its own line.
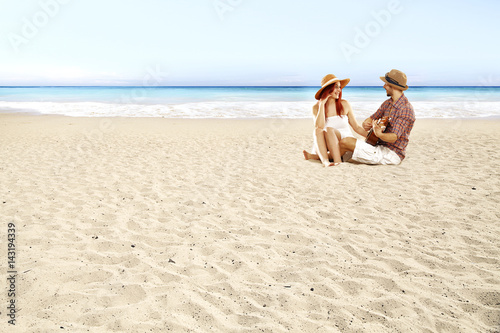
x=339, y=123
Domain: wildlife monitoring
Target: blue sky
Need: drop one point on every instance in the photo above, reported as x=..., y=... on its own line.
x=247, y=42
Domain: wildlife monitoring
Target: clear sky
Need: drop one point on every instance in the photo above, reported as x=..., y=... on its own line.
x=247, y=42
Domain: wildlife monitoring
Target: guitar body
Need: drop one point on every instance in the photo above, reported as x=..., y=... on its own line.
x=371, y=138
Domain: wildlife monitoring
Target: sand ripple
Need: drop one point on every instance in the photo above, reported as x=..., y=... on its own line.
x=169, y=225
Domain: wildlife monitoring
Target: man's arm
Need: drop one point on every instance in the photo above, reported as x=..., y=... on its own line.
x=387, y=137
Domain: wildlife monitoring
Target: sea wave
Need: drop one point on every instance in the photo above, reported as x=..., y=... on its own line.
x=224, y=109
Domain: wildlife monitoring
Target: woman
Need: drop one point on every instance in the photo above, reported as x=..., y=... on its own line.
x=332, y=117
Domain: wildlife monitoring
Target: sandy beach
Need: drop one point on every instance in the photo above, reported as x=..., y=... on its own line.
x=153, y=225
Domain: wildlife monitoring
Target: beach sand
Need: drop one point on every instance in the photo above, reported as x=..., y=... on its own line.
x=153, y=225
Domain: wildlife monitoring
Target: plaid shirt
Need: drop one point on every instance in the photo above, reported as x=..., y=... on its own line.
x=401, y=123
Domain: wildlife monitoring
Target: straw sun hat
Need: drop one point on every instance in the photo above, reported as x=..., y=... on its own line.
x=396, y=79
x=331, y=79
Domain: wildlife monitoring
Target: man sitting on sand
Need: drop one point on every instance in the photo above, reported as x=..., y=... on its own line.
x=391, y=145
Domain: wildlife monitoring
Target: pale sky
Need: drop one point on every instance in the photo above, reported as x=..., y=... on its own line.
x=247, y=42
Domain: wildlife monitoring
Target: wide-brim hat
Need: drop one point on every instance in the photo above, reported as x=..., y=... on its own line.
x=396, y=79
x=330, y=79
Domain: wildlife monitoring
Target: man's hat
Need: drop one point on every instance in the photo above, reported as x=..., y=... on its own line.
x=396, y=79
x=331, y=79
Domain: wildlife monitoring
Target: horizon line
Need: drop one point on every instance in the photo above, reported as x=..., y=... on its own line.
x=221, y=86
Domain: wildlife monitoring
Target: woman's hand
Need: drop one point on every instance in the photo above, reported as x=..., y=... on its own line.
x=324, y=98
x=367, y=124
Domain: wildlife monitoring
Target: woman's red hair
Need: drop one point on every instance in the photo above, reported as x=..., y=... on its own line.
x=338, y=105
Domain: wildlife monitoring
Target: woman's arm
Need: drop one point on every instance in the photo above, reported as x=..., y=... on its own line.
x=367, y=124
x=352, y=119
x=319, y=121
x=315, y=112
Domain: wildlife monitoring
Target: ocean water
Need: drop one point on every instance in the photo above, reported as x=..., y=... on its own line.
x=239, y=102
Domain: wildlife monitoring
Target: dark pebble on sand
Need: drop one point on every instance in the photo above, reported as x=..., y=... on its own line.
x=132, y=245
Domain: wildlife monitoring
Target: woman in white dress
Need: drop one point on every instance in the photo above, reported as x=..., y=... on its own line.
x=332, y=117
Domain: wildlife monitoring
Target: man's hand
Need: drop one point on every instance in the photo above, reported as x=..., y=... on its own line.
x=379, y=132
x=377, y=129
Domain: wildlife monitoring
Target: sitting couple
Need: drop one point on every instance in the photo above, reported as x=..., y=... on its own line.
x=333, y=139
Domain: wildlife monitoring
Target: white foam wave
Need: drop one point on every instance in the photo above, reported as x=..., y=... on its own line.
x=427, y=109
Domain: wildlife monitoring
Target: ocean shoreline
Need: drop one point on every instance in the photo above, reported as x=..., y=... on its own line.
x=35, y=113
x=239, y=102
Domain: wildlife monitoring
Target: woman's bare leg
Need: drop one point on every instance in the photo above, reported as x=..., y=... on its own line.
x=332, y=143
x=347, y=144
x=309, y=156
x=321, y=147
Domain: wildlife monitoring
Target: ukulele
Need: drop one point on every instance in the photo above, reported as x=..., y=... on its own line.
x=371, y=138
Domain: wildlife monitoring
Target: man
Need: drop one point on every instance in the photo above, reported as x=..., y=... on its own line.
x=391, y=145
